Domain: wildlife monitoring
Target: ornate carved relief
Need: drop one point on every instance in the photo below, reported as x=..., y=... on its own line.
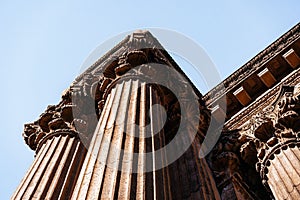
x=62, y=129
x=83, y=102
x=269, y=134
x=56, y=119
x=232, y=175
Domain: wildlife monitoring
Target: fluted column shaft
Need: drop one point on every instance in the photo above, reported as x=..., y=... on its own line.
x=110, y=169
x=283, y=172
x=54, y=169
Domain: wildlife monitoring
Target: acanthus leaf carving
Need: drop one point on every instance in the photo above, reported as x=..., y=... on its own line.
x=269, y=131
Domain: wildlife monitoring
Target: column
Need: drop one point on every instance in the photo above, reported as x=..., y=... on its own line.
x=116, y=166
x=281, y=171
x=59, y=154
x=54, y=169
x=272, y=140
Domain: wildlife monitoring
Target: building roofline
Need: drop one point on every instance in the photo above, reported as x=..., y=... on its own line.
x=253, y=64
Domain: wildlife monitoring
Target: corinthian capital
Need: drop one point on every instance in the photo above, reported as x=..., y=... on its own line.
x=273, y=129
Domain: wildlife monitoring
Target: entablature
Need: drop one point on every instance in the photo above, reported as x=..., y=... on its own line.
x=256, y=83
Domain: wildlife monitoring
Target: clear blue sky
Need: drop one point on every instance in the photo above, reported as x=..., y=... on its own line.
x=42, y=46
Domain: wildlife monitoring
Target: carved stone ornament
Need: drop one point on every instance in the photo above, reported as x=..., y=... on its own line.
x=87, y=145
x=233, y=179
x=268, y=135
x=54, y=119
x=82, y=104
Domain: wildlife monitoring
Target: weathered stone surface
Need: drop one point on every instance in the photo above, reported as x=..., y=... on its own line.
x=275, y=135
x=90, y=145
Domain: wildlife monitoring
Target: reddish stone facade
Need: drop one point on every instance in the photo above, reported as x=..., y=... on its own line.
x=98, y=142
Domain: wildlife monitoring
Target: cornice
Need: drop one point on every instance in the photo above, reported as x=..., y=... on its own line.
x=266, y=99
x=253, y=65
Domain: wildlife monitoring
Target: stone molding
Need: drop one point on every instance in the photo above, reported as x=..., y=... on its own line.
x=254, y=64
x=238, y=120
